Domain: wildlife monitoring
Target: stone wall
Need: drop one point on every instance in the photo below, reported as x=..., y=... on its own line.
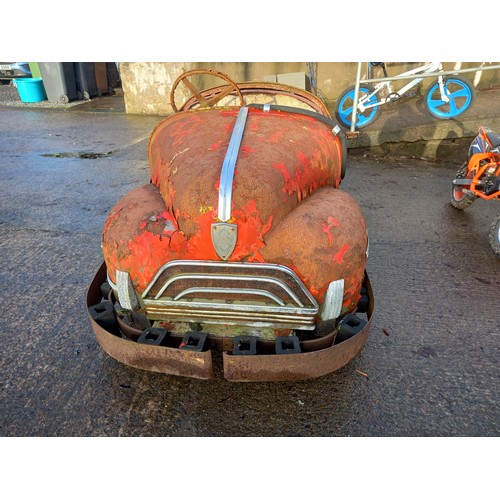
x=147, y=85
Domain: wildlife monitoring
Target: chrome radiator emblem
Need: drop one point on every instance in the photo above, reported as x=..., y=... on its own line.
x=224, y=236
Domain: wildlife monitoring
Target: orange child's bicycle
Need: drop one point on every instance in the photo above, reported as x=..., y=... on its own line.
x=479, y=177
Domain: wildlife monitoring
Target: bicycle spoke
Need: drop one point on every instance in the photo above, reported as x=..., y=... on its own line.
x=439, y=103
x=453, y=107
x=347, y=111
x=436, y=102
x=459, y=93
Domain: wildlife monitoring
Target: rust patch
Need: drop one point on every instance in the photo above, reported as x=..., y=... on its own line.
x=171, y=218
x=319, y=356
x=320, y=253
x=308, y=149
x=137, y=235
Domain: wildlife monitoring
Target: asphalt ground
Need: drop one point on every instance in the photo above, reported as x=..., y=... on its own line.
x=429, y=369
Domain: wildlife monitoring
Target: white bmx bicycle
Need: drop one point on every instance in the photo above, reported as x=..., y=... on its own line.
x=446, y=97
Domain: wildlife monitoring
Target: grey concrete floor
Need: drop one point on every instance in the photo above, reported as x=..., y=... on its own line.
x=432, y=358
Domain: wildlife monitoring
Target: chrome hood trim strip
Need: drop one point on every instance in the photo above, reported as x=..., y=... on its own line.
x=228, y=167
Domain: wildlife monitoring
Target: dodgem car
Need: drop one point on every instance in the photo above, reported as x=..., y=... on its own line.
x=241, y=242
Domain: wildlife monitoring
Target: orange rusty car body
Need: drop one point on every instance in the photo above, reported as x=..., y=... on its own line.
x=242, y=242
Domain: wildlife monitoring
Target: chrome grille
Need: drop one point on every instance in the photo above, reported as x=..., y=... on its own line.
x=251, y=294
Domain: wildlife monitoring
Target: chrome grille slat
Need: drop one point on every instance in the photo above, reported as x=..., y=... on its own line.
x=212, y=314
x=263, y=279
x=249, y=291
x=251, y=308
x=306, y=323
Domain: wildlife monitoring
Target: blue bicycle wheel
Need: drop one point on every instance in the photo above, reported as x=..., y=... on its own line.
x=343, y=110
x=461, y=95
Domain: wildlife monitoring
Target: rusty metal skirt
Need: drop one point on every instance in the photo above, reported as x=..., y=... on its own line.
x=318, y=356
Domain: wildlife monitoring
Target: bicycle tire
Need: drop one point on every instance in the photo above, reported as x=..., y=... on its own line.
x=461, y=93
x=343, y=108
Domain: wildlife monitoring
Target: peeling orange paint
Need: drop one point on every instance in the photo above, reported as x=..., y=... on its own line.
x=245, y=152
x=330, y=222
x=284, y=157
x=218, y=144
x=339, y=256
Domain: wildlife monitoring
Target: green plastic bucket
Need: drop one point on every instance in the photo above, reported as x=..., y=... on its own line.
x=30, y=89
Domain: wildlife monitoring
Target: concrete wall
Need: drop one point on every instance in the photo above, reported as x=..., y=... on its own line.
x=147, y=85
